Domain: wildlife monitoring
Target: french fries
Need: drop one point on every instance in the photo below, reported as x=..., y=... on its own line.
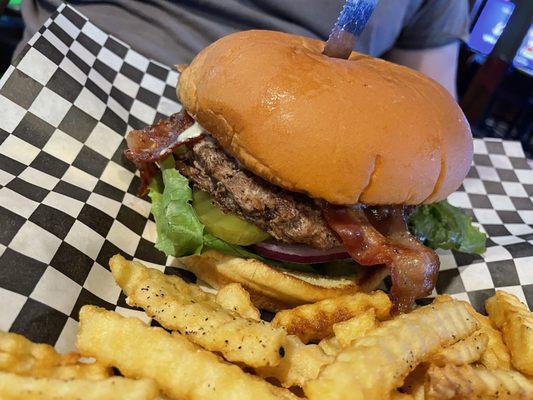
x=496, y=356
x=16, y=387
x=466, y=382
x=444, y=351
x=186, y=308
x=20, y=356
x=378, y=363
x=181, y=369
x=94, y=371
x=301, y=363
x=516, y=323
x=348, y=331
x=315, y=321
x=330, y=346
x=463, y=352
x=233, y=297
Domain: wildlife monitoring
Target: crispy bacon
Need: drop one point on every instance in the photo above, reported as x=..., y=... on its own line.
x=379, y=235
x=156, y=142
x=147, y=171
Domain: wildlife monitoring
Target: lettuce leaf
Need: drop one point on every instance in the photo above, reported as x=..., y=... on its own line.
x=179, y=232
x=441, y=225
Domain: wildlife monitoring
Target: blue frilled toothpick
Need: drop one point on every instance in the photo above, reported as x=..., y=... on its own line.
x=351, y=22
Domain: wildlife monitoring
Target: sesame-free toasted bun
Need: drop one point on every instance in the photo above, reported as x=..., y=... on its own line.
x=273, y=288
x=346, y=131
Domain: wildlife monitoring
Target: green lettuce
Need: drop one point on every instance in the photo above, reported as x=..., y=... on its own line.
x=441, y=225
x=179, y=231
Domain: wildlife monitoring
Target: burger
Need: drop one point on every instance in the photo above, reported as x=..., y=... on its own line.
x=303, y=176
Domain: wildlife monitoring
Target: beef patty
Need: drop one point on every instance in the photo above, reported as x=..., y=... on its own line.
x=287, y=216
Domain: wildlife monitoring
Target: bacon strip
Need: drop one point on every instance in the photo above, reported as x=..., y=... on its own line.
x=379, y=235
x=156, y=142
x=147, y=171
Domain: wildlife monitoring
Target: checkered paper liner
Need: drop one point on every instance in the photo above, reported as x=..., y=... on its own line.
x=68, y=198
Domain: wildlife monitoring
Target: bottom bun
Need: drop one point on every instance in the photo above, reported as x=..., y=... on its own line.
x=274, y=288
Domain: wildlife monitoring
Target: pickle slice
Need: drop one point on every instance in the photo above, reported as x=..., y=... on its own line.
x=228, y=227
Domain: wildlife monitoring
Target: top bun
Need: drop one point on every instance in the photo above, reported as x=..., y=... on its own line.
x=361, y=130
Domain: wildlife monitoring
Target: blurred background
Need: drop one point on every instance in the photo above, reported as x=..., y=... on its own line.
x=495, y=71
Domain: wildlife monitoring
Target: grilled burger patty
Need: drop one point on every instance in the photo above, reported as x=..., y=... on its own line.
x=287, y=216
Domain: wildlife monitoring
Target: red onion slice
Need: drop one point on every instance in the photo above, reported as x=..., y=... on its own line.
x=299, y=253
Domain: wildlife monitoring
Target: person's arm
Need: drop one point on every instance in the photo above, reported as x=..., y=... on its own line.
x=439, y=63
x=429, y=40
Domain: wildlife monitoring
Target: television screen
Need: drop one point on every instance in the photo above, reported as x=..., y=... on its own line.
x=490, y=25
x=524, y=57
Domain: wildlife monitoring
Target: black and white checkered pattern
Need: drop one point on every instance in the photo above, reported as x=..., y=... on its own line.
x=68, y=197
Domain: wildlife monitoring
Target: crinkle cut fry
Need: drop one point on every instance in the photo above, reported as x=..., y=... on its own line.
x=301, y=363
x=21, y=356
x=315, y=321
x=180, y=368
x=378, y=363
x=466, y=351
x=515, y=321
x=79, y=370
x=348, y=331
x=16, y=387
x=466, y=382
x=37, y=354
x=186, y=308
x=235, y=298
x=496, y=356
